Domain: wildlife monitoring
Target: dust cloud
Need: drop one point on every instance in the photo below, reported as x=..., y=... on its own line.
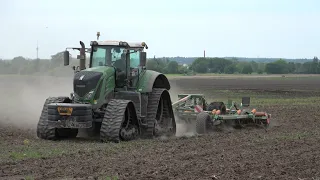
x=183, y=129
x=22, y=98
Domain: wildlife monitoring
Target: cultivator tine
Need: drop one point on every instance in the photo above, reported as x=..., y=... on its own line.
x=235, y=105
x=262, y=114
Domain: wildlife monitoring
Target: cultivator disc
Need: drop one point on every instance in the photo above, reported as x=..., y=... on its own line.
x=265, y=117
x=241, y=118
x=189, y=106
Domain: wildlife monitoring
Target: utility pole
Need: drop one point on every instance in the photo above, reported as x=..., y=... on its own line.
x=37, y=51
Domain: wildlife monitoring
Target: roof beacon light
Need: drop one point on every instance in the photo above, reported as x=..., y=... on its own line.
x=98, y=35
x=144, y=45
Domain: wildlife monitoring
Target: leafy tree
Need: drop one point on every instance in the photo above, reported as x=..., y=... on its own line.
x=291, y=67
x=240, y=66
x=172, y=67
x=261, y=68
x=230, y=69
x=255, y=66
x=200, y=65
x=157, y=65
x=315, y=60
x=278, y=67
x=219, y=64
x=311, y=67
x=247, y=69
x=183, y=69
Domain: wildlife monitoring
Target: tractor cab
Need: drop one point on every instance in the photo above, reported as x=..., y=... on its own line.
x=128, y=60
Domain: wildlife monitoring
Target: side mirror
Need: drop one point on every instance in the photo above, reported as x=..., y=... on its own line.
x=66, y=55
x=143, y=58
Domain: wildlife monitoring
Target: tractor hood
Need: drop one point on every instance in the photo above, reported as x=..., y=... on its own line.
x=85, y=82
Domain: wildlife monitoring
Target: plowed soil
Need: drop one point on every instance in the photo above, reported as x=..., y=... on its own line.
x=289, y=149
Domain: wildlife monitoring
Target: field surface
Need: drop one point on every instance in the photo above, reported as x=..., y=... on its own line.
x=289, y=149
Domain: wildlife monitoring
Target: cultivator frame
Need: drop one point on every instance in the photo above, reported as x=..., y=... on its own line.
x=193, y=107
x=188, y=112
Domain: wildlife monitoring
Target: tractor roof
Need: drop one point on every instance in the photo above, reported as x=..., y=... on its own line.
x=117, y=43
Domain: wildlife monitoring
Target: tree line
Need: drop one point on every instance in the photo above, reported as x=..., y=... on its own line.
x=234, y=66
x=54, y=66
x=189, y=60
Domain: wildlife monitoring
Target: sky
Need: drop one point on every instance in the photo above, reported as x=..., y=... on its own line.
x=238, y=28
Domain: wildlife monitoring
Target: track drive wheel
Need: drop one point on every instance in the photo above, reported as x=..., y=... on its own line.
x=50, y=133
x=120, y=122
x=203, y=123
x=160, y=118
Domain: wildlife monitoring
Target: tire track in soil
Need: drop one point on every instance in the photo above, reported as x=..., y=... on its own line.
x=245, y=154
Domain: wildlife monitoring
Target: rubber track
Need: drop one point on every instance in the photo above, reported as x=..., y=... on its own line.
x=112, y=120
x=43, y=131
x=166, y=117
x=153, y=102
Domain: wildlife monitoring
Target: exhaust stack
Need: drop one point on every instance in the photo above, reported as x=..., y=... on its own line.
x=82, y=56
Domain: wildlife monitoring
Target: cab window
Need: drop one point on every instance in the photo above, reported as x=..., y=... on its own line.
x=99, y=57
x=134, y=59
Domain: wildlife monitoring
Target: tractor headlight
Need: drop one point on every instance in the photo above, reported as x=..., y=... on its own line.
x=89, y=95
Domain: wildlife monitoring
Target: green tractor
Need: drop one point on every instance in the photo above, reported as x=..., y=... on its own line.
x=116, y=97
